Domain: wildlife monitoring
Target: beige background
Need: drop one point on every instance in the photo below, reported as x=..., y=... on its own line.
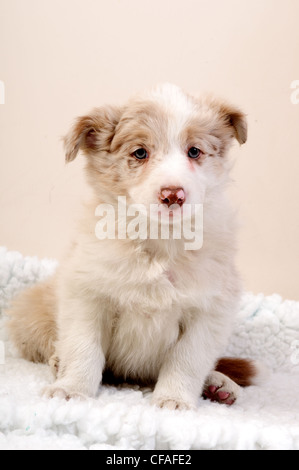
x=59, y=58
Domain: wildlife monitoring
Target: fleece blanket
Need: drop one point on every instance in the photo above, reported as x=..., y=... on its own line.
x=264, y=417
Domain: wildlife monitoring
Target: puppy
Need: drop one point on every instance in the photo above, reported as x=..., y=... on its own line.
x=147, y=309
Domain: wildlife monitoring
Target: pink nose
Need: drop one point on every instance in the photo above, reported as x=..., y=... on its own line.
x=171, y=196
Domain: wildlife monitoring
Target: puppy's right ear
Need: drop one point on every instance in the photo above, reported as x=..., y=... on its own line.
x=92, y=133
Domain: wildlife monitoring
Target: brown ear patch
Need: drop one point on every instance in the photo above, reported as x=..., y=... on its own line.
x=238, y=121
x=91, y=139
x=221, y=120
x=92, y=133
x=79, y=135
x=235, y=120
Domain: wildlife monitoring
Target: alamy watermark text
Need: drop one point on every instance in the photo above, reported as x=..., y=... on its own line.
x=295, y=93
x=136, y=221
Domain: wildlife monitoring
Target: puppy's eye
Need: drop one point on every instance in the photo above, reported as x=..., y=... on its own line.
x=140, y=154
x=194, y=152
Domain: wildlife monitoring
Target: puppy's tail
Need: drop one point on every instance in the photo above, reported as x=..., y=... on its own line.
x=244, y=372
x=32, y=322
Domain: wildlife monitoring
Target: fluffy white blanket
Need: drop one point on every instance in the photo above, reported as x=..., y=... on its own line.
x=264, y=417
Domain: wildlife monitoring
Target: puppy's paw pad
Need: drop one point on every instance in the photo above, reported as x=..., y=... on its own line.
x=53, y=391
x=223, y=395
x=220, y=388
x=220, y=394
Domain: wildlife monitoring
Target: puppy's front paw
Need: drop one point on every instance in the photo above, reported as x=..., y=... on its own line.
x=60, y=391
x=172, y=403
x=219, y=387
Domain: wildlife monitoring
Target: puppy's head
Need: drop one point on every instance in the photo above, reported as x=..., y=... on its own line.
x=164, y=147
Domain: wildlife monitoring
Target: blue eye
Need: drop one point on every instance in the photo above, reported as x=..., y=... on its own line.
x=140, y=154
x=194, y=152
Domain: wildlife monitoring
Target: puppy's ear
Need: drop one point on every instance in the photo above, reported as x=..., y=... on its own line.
x=92, y=133
x=235, y=120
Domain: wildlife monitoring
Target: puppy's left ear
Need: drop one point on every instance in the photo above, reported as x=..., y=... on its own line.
x=234, y=120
